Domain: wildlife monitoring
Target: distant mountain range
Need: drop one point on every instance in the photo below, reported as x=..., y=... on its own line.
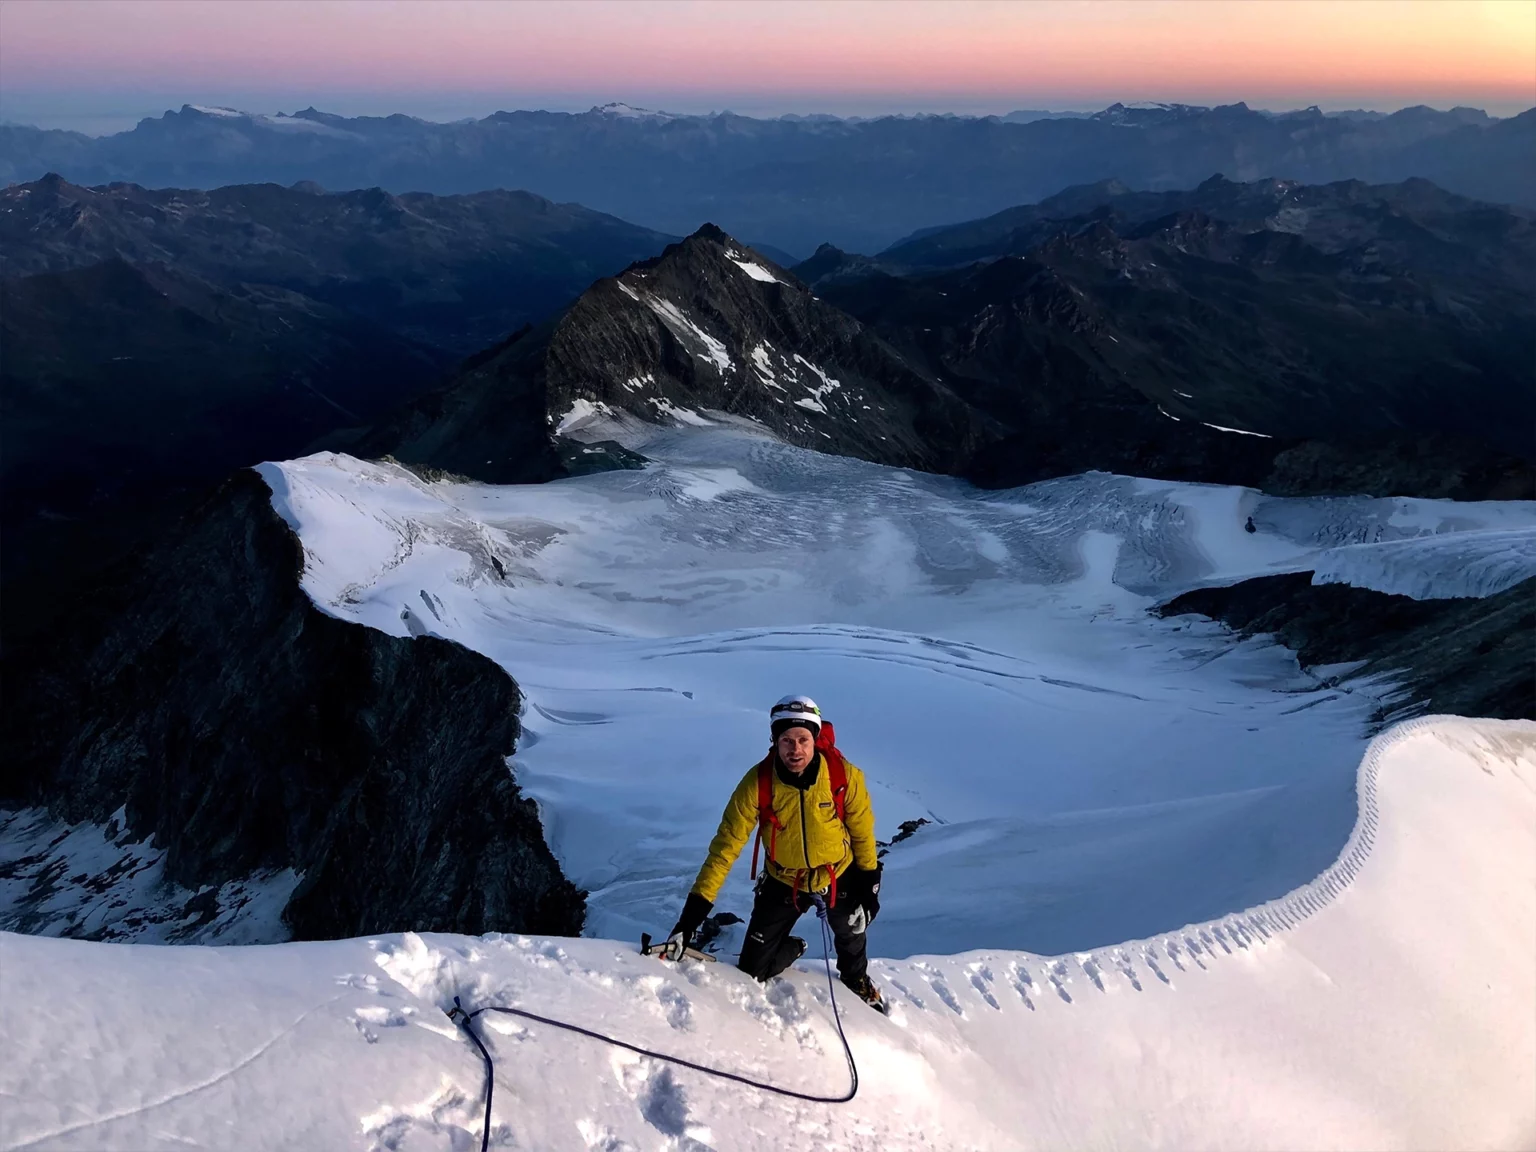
x=793, y=183
x=453, y=272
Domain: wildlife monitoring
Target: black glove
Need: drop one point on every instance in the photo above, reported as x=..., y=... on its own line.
x=862, y=891
x=695, y=908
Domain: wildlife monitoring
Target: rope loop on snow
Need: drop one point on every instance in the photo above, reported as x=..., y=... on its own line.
x=464, y=1018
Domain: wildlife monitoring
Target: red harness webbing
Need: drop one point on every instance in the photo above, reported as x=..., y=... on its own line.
x=837, y=777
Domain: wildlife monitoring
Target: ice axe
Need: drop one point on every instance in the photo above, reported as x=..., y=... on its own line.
x=649, y=949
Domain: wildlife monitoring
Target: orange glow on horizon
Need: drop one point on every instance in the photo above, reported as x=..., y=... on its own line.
x=1452, y=51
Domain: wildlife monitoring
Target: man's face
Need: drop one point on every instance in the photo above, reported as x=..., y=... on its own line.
x=797, y=748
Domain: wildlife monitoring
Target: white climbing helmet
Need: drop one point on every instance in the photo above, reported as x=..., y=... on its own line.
x=799, y=708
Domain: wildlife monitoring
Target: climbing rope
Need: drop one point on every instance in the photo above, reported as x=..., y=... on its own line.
x=464, y=1018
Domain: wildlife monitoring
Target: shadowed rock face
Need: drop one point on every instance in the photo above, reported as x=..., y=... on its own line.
x=709, y=325
x=246, y=730
x=153, y=340
x=1379, y=339
x=1462, y=657
x=450, y=273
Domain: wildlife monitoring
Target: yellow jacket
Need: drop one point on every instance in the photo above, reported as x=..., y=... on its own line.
x=811, y=845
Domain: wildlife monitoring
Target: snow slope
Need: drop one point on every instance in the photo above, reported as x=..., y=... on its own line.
x=1091, y=774
x=1388, y=1004
x=1168, y=897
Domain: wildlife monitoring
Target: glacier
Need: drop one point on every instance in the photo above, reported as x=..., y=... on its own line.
x=1170, y=894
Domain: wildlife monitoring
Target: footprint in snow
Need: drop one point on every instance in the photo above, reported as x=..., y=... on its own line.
x=450, y=1119
x=1127, y=968
x=655, y=1089
x=981, y=980
x=941, y=990
x=372, y=1016
x=598, y=1138
x=675, y=1006
x=1090, y=968
x=1022, y=982
x=1056, y=972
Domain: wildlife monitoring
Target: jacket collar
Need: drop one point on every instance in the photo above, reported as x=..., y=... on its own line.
x=802, y=781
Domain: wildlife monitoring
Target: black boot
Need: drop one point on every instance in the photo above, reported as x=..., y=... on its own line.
x=791, y=950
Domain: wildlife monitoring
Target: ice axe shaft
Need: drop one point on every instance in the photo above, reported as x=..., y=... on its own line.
x=648, y=949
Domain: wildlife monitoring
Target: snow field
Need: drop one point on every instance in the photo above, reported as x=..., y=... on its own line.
x=1168, y=897
x=1090, y=774
x=1388, y=1004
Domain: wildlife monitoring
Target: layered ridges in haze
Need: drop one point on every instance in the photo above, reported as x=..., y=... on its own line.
x=453, y=272
x=793, y=182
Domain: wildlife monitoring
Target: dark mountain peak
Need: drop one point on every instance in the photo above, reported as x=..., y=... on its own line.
x=307, y=187
x=1153, y=114
x=1310, y=112
x=713, y=232
x=196, y=112
x=708, y=330
x=374, y=198
x=1216, y=183
x=831, y=264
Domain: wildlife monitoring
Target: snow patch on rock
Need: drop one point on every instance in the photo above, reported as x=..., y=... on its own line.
x=581, y=413
x=704, y=346
x=752, y=268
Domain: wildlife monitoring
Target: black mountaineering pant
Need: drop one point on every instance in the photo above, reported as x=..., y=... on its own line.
x=767, y=950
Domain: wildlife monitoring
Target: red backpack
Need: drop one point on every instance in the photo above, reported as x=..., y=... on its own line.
x=837, y=776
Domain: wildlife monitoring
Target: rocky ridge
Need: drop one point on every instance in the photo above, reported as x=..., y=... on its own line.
x=455, y=273
x=1455, y=657
x=209, y=710
x=1299, y=339
x=707, y=327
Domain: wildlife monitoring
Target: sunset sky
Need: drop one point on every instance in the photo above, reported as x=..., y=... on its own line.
x=99, y=65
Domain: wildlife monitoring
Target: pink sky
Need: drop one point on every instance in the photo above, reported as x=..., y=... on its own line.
x=775, y=56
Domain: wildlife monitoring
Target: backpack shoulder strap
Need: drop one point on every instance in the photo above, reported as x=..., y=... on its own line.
x=766, y=817
x=765, y=813
x=837, y=777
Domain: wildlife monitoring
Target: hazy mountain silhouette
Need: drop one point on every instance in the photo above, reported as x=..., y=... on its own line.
x=794, y=182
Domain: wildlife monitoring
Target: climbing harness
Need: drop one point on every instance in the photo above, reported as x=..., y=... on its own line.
x=464, y=1018
x=837, y=780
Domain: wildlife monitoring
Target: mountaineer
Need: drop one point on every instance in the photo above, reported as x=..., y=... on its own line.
x=813, y=809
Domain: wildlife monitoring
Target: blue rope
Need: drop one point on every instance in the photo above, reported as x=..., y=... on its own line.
x=464, y=1019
